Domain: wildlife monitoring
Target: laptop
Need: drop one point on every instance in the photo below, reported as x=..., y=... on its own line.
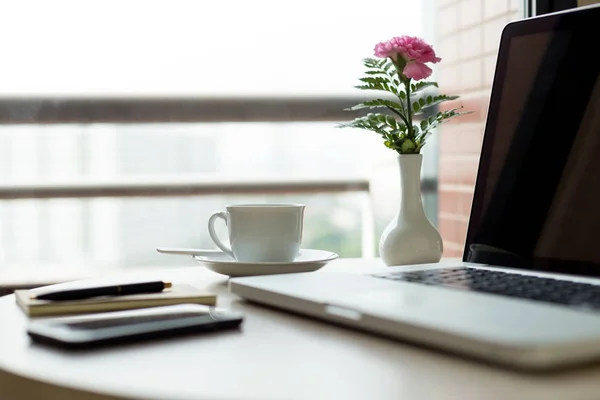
x=527, y=291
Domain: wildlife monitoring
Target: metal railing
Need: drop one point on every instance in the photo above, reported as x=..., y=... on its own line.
x=180, y=110
x=144, y=186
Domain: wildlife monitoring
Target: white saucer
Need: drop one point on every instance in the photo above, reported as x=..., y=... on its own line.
x=308, y=260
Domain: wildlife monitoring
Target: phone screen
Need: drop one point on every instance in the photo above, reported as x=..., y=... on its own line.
x=105, y=323
x=132, y=325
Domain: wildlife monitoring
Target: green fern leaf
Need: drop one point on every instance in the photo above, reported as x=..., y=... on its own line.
x=431, y=101
x=444, y=116
x=375, y=72
x=415, y=87
x=371, y=62
x=372, y=87
x=434, y=100
x=381, y=69
x=377, y=83
x=375, y=80
x=379, y=103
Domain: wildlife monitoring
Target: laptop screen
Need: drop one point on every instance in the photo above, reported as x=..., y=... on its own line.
x=537, y=196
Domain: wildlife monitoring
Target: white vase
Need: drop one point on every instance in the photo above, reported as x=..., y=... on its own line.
x=410, y=238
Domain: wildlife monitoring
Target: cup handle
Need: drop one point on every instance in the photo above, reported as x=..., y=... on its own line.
x=213, y=234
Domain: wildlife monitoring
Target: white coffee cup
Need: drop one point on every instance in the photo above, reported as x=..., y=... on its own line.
x=261, y=232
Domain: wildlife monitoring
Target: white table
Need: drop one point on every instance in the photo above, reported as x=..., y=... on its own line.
x=275, y=355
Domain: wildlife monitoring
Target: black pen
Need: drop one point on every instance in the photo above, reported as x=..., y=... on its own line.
x=114, y=290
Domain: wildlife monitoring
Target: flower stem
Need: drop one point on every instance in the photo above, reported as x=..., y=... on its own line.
x=408, y=108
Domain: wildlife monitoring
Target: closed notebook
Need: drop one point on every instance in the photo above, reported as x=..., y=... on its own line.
x=177, y=294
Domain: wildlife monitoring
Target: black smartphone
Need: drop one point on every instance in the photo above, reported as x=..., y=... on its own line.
x=131, y=325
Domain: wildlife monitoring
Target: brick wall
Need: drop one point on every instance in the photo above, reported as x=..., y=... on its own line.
x=469, y=34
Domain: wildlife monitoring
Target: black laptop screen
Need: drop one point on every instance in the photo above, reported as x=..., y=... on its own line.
x=537, y=197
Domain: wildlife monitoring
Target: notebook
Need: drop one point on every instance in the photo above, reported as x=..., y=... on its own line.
x=177, y=294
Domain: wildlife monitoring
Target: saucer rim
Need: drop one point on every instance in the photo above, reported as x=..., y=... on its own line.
x=332, y=256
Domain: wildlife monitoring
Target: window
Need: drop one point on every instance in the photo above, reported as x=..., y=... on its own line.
x=98, y=96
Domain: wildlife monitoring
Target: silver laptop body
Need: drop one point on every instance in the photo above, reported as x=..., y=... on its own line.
x=526, y=293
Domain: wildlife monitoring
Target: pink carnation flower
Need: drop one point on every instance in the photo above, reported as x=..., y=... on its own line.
x=413, y=50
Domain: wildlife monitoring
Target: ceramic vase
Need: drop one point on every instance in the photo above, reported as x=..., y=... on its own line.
x=410, y=238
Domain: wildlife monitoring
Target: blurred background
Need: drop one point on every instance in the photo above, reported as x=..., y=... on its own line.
x=206, y=103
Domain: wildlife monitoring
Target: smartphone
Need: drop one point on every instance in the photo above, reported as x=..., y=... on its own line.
x=131, y=325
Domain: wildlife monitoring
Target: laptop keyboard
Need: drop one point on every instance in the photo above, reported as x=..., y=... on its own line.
x=572, y=294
